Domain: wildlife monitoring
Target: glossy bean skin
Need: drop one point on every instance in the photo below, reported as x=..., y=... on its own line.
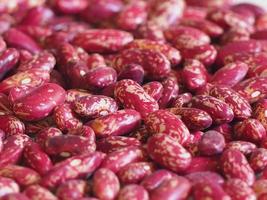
x=252, y=89
x=163, y=121
x=195, y=119
x=155, y=179
x=168, y=152
x=219, y=111
x=65, y=118
x=131, y=95
x=38, y=192
x=106, y=184
x=113, y=143
x=120, y=158
x=13, y=149
x=94, y=106
x=22, y=175
x=37, y=158
x=118, y=123
x=176, y=187
x=76, y=166
x=72, y=189
x=69, y=145
x=230, y=159
x=36, y=105
x=239, y=105
x=259, y=112
x=230, y=74
x=134, y=192
x=155, y=64
x=209, y=190
x=194, y=74
x=11, y=125
x=135, y=172
x=250, y=130
x=171, y=53
x=93, y=40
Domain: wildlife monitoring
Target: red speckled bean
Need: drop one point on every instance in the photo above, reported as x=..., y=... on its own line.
x=211, y=143
x=8, y=60
x=235, y=165
x=46, y=133
x=194, y=119
x=31, y=78
x=210, y=28
x=209, y=190
x=133, y=15
x=165, y=13
x=11, y=125
x=65, y=118
x=118, y=123
x=163, y=121
x=106, y=185
x=40, y=103
x=18, y=39
x=239, y=190
x=38, y=192
x=171, y=53
x=133, y=96
x=44, y=61
x=155, y=179
x=76, y=166
x=206, y=54
x=244, y=147
x=196, y=177
x=170, y=92
x=134, y=72
x=133, y=192
x=69, y=145
x=260, y=111
x=182, y=99
x=102, y=10
x=120, y=158
x=250, y=130
x=22, y=175
x=36, y=158
x=135, y=172
x=258, y=159
x=219, y=111
x=154, y=89
x=239, y=105
x=201, y=163
x=72, y=189
x=100, y=77
x=113, y=143
x=194, y=74
x=13, y=149
x=230, y=74
x=164, y=150
x=186, y=37
x=155, y=64
x=252, y=89
x=94, y=106
x=102, y=40
x=177, y=187
x=74, y=94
